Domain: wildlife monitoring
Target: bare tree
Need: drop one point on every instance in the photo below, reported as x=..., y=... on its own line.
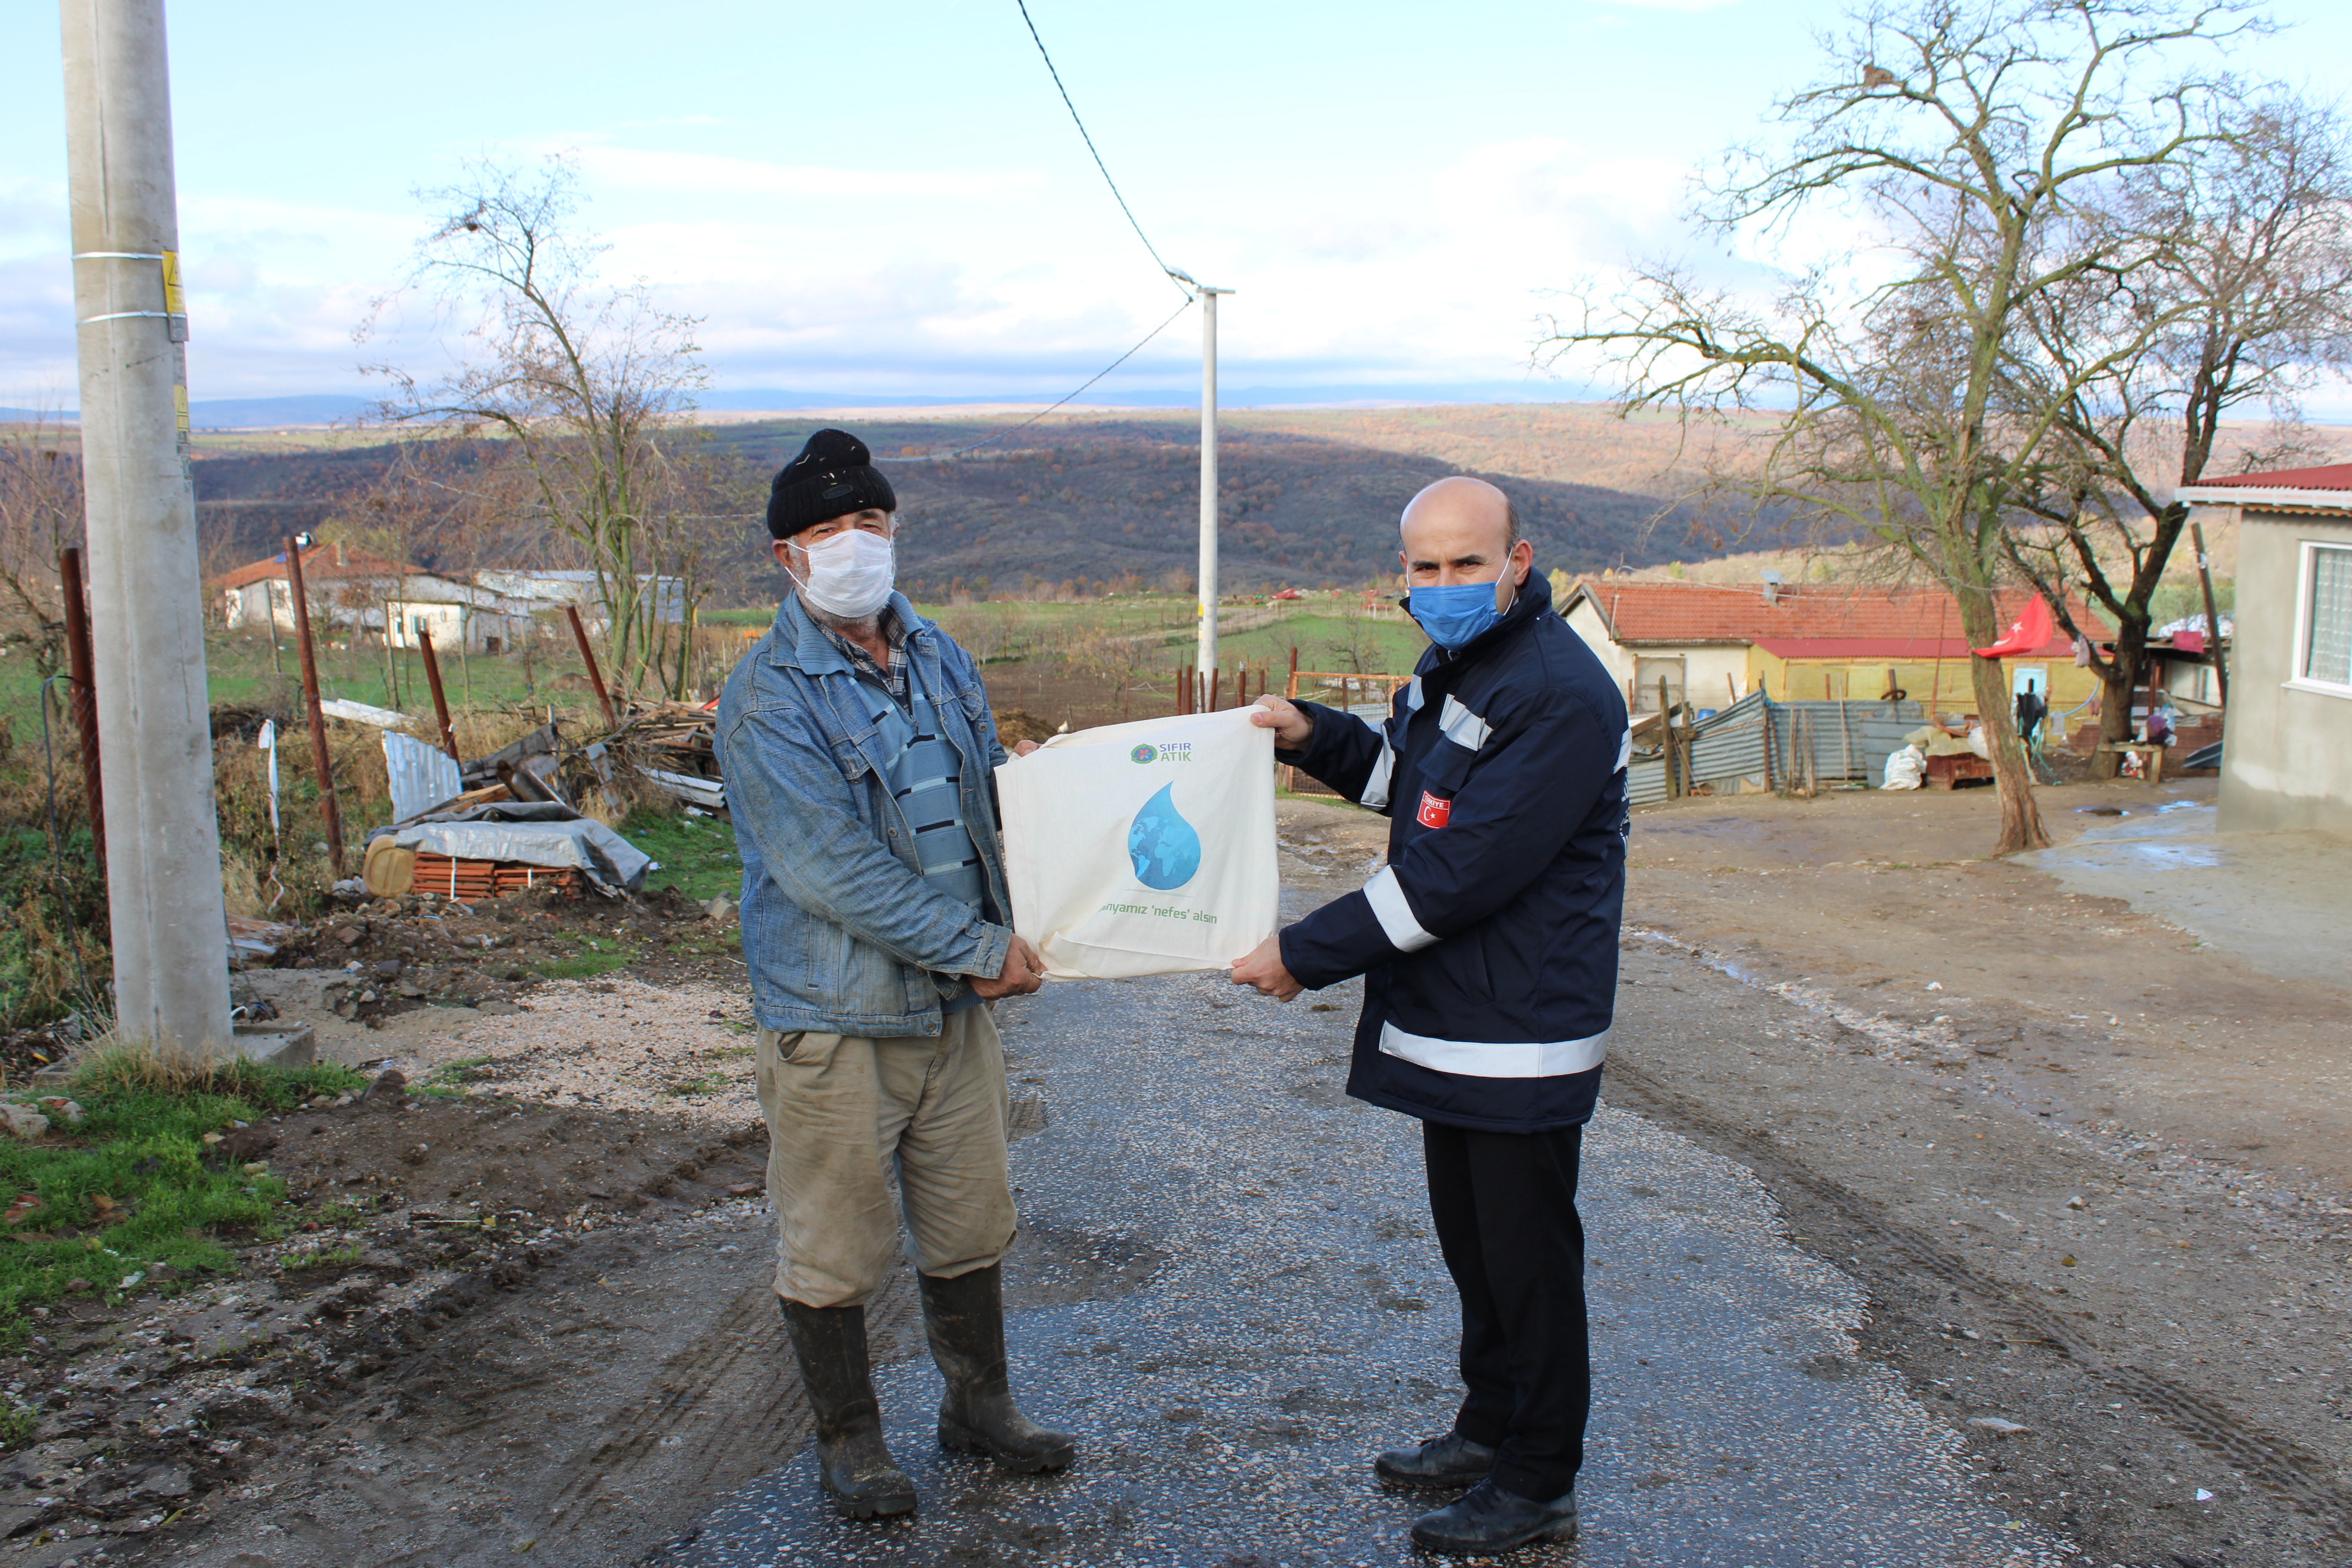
x=40, y=514
x=588, y=384
x=1961, y=140
x=2249, y=261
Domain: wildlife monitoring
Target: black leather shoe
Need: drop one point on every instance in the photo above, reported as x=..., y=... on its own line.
x=1488, y=1518
x=1447, y=1463
x=964, y=1318
x=854, y=1464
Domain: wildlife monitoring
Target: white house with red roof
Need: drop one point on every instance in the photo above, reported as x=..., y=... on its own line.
x=2286, y=759
x=356, y=589
x=1712, y=643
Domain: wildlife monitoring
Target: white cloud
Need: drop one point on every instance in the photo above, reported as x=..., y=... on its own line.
x=951, y=280
x=712, y=174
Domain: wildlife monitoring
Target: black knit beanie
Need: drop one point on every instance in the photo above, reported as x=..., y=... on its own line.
x=833, y=475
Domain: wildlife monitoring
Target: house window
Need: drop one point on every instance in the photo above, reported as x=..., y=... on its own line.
x=2326, y=656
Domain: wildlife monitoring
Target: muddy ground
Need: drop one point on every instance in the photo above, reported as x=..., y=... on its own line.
x=2095, y=1184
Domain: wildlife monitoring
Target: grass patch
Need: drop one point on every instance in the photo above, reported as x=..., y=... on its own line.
x=598, y=960
x=95, y=1207
x=697, y=854
x=53, y=953
x=452, y=1078
x=687, y=1087
x=325, y=1257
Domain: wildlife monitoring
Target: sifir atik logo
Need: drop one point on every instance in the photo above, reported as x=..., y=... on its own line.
x=1166, y=751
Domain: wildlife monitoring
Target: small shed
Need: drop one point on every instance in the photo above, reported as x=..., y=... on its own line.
x=2286, y=758
x=1713, y=643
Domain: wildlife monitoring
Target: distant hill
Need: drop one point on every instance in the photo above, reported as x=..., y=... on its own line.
x=1096, y=500
x=1113, y=499
x=233, y=413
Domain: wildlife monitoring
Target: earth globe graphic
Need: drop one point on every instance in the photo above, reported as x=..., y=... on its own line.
x=1164, y=846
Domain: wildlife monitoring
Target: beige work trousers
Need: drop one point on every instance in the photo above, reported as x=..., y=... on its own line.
x=845, y=1113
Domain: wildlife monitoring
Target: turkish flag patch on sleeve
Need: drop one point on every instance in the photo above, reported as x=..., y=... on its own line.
x=1433, y=812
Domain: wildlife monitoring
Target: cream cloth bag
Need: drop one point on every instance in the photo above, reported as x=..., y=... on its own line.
x=1143, y=848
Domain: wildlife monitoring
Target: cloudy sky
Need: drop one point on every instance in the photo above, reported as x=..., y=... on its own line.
x=889, y=199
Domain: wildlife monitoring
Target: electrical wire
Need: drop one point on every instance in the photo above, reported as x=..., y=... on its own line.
x=1089, y=141
x=1016, y=430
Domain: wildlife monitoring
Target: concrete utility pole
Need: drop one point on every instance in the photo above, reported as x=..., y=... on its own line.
x=162, y=844
x=1205, y=660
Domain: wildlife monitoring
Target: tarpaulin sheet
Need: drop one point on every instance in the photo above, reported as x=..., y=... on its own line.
x=534, y=832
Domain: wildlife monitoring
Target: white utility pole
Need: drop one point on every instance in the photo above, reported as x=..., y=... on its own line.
x=163, y=841
x=1205, y=660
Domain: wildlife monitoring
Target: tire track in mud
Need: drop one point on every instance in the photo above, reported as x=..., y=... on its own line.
x=2284, y=1470
x=584, y=1406
x=730, y=1402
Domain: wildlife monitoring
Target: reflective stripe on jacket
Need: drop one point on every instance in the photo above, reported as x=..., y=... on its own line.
x=1489, y=943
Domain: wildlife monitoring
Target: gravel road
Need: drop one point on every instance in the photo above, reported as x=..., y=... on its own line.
x=1228, y=1286
x=1853, y=1303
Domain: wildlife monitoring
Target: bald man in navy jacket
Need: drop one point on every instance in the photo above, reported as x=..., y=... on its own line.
x=1488, y=948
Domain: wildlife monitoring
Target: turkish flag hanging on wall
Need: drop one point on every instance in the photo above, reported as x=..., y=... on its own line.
x=2030, y=632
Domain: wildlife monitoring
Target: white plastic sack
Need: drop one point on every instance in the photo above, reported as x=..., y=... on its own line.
x=1905, y=768
x=1143, y=848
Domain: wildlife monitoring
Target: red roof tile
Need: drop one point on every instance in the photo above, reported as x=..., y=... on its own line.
x=2333, y=476
x=1830, y=620
x=1893, y=648
x=321, y=560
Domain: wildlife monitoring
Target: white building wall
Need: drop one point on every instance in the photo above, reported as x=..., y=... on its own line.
x=1712, y=672
x=1585, y=622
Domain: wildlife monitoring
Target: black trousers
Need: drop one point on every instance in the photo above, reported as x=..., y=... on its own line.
x=1504, y=1205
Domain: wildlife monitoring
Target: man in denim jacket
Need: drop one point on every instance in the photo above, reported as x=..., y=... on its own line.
x=858, y=749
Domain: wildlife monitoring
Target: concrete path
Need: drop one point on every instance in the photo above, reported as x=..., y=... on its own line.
x=1227, y=1285
x=2275, y=900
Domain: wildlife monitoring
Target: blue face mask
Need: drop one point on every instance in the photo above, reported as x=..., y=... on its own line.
x=1456, y=612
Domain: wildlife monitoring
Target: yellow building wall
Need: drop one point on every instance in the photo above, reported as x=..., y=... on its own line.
x=1949, y=681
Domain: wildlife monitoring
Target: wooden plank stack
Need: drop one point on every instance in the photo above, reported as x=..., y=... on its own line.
x=443, y=877
x=676, y=745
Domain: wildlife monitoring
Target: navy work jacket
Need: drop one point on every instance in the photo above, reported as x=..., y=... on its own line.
x=1489, y=943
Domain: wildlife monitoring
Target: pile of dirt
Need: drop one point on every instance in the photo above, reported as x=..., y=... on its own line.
x=373, y=960
x=465, y=1157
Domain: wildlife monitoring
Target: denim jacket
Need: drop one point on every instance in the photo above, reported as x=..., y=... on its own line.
x=842, y=933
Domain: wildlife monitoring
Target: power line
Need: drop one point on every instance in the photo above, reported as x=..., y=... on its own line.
x=1173, y=276
x=1016, y=430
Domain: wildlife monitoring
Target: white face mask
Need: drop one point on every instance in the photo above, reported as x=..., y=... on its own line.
x=849, y=575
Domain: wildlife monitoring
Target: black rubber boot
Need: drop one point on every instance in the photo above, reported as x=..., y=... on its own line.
x=858, y=1471
x=1488, y=1518
x=965, y=1319
x=1451, y=1462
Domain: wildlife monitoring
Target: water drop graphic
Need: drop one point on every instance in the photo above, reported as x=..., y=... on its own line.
x=1163, y=845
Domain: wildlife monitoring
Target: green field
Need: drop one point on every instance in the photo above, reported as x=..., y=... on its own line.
x=1022, y=645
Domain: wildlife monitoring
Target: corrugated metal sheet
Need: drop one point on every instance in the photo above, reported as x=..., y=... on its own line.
x=1847, y=740
x=423, y=776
